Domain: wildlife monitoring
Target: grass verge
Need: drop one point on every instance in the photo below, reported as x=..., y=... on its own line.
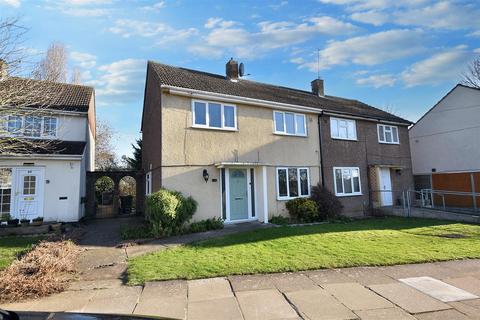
x=371, y=242
x=11, y=247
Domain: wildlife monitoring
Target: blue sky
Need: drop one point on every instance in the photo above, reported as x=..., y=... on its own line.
x=400, y=55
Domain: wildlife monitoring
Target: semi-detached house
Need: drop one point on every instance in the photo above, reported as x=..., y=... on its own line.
x=243, y=148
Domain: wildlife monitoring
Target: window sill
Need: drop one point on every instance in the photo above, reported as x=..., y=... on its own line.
x=344, y=139
x=290, y=135
x=291, y=198
x=382, y=142
x=213, y=128
x=349, y=195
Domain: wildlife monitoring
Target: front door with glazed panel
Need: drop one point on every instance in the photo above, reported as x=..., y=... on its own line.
x=238, y=185
x=29, y=193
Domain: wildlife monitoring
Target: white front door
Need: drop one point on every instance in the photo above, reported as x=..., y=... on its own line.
x=385, y=186
x=29, y=193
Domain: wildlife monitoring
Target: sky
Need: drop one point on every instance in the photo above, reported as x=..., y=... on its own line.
x=402, y=56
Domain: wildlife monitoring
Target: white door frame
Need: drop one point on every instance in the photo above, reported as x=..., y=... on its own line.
x=17, y=189
x=381, y=181
x=249, y=194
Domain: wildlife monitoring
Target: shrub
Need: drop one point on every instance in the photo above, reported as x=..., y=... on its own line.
x=329, y=206
x=135, y=232
x=205, y=225
x=167, y=212
x=280, y=220
x=303, y=210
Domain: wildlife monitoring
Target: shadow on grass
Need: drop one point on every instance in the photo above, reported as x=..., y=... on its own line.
x=389, y=223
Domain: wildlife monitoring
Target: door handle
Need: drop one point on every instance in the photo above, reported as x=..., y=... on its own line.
x=238, y=198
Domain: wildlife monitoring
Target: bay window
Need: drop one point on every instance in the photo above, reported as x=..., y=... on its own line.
x=289, y=123
x=292, y=183
x=214, y=115
x=347, y=181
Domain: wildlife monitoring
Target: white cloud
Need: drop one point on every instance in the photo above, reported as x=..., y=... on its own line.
x=372, y=49
x=11, y=3
x=80, y=8
x=356, y=5
x=442, y=14
x=374, y=17
x=474, y=34
x=444, y=66
x=155, y=7
x=378, y=80
x=271, y=35
x=121, y=80
x=163, y=33
x=84, y=60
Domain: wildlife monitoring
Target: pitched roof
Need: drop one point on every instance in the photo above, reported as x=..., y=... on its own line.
x=50, y=95
x=198, y=80
x=51, y=147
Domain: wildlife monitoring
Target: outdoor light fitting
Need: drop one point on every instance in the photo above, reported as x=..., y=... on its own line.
x=205, y=175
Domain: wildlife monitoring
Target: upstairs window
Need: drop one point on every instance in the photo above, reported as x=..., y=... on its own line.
x=214, y=115
x=289, y=123
x=49, y=126
x=33, y=126
x=15, y=124
x=343, y=129
x=292, y=183
x=29, y=126
x=388, y=134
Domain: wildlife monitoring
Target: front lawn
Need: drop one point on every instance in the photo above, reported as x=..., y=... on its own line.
x=10, y=247
x=370, y=242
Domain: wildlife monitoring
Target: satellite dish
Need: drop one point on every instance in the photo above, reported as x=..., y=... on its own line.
x=241, y=70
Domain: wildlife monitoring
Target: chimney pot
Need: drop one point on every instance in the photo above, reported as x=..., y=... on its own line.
x=232, y=69
x=317, y=87
x=3, y=70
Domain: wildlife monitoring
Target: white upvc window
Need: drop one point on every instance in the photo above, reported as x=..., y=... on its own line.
x=289, y=123
x=388, y=134
x=214, y=115
x=345, y=129
x=347, y=181
x=148, y=183
x=292, y=183
x=30, y=126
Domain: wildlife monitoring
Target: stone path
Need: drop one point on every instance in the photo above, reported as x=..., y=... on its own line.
x=351, y=293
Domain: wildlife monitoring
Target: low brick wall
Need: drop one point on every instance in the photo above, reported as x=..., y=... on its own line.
x=436, y=214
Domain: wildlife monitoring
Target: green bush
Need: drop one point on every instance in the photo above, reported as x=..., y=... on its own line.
x=303, y=210
x=280, y=220
x=135, y=232
x=329, y=206
x=205, y=225
x=167, y=212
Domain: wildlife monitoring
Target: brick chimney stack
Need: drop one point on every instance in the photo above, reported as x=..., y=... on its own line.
x=232, y=69
x=317, y=87
x=3, y=70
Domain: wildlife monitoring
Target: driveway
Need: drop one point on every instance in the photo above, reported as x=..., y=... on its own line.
x=443, y=290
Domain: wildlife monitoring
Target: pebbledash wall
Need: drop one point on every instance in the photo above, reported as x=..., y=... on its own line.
x=366, y=153
x=187, y=151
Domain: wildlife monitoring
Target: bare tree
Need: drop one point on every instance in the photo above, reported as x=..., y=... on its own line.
x=23, y=101
x=76, y=76
x=471, y=77
x=53, y=67
x=105, y=157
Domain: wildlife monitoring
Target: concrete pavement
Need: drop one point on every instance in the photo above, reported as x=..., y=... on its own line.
x=370, y=293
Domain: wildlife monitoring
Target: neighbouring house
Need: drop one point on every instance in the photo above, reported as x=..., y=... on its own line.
x=445, y=149
x=46, y=176
x=243, y=148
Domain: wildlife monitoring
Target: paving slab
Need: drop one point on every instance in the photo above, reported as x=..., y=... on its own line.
x=409, y=298
x=221, y=309
x=207, y=289
x=251, y=282
x=462, y=268
x=287, y=282
x=437, y=270
x=95, y=284
x=470, y=284
x=357, y=297
x=322, y=277
x=471, y=311
x=64, y=301
x=442, y=315
x=165, y=289
x=115, y=271
x=367, y=275
x=318, y=304
x=384, y=314
x=119, y=300
x=438, y=289
x=265, y=305
x=175, y=308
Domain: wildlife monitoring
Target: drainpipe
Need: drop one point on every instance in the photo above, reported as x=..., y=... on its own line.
x=321, y=147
